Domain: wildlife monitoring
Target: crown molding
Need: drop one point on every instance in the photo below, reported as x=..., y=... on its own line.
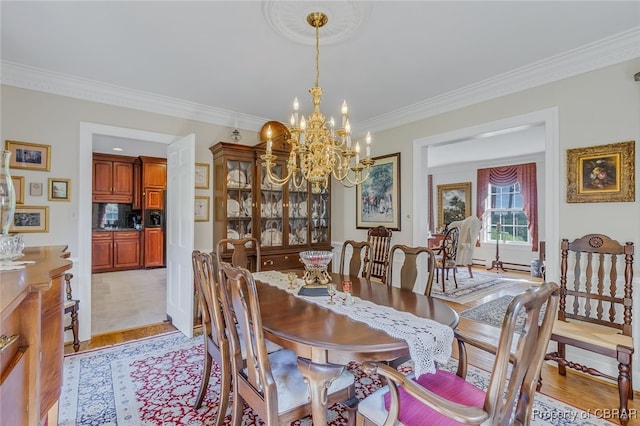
x=32, y=78
x=619, y=48
x=609, y=51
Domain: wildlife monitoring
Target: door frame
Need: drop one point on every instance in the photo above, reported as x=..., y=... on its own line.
x=82, y=267
x=549, y=118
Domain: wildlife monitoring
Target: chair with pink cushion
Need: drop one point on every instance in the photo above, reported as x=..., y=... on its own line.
x=447, y=398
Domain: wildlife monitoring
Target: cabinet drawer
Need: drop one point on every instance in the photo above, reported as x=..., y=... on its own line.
x=281, y=261
x=126, y=235
x=101, y=236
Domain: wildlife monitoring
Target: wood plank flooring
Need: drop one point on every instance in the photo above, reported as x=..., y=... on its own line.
x=576, y=389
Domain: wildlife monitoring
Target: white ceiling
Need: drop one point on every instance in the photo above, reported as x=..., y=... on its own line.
x=225, y=60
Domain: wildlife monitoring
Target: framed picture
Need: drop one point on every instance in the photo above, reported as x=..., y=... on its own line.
x=201, y=209
x=35, y=189
x=18, y=186
x=202, y=175
x=378, y=197
x=30, y=219
x=59, y=189
x=29, y=156
x=454, y=202
x=603, y=173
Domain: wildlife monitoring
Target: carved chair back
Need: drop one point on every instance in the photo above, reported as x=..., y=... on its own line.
x=409, y=269
x=357, y=266
x=242, y=247
x=378, y=254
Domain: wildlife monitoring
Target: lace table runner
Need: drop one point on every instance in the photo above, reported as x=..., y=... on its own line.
x=429, y=341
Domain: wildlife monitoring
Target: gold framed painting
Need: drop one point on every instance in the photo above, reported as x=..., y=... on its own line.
x=454, y=202
x=29, y=156
x=59, y=189
x=603, y=173
x=18, y=186
x=201, y=209
x=202, y=176
x=30, y=219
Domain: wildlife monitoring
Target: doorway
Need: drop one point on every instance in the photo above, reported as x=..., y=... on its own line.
x=547, y=118
x=89, y=132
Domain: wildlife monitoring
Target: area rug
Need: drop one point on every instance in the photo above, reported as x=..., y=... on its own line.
x=482, y=284
x=492, y=313
x=154, y=381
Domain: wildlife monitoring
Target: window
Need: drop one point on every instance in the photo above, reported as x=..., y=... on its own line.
x=506, y=215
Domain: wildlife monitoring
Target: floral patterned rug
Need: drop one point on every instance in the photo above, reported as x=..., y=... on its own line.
x=482, y=284
x=154, y=381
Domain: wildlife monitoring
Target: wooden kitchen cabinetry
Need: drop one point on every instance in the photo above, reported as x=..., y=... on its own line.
x=284, y=219
x=115, y=251
x=154, y=199
x=113, y=178
x=31, y=318
x=137, y=185
x=153, y=247
x=154, y=172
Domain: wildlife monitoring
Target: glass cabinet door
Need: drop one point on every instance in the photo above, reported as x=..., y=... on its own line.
x=272, y=204
x=320, y=217
x=239, y=198
x=298, y=213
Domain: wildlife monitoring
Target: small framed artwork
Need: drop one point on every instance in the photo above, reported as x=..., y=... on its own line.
x=29, y=156
x=30, y=219
x=35, y=189
x=201, y=209
x=202, y=175
x=603, y=173
x=18, y=186
x=454, y=202
x=378, y=197
x=59, y=189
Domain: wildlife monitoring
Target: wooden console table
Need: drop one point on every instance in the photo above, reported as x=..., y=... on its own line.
x=31, y=326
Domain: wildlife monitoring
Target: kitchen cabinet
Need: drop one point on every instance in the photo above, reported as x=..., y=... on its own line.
x=112, y=178
x=154, y=199
x=153, y=247
x=137, y=185
x=126, y=250
x=154, y=172
x=286, y=220
x=101, y=251
x=115, y=251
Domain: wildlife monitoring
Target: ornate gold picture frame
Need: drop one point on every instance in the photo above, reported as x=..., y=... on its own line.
x=603, y=173
x=29, y=156
x=30, y=219
x=454, y=202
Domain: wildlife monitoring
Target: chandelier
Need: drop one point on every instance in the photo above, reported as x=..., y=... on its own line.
x=317, y=149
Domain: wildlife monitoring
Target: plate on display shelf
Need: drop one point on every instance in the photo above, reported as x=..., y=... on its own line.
x=236, y=179
x=233, y=208
x=271, y=237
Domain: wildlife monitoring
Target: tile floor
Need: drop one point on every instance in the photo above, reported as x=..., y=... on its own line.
x=126, y=299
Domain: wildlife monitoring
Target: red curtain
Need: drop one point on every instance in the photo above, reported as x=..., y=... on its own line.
x=525, y=175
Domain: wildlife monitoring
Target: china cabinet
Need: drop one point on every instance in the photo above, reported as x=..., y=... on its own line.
x=286, y=220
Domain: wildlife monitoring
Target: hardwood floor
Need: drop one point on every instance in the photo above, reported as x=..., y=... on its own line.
x=585, y=392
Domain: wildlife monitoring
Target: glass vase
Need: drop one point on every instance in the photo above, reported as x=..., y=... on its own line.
x=7, y=194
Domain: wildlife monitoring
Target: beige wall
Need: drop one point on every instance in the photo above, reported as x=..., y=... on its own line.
x=42, y=118
x=595, y=108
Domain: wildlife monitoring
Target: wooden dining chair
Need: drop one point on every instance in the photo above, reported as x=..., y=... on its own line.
x=376, y=257
x=71, y=307
x=357, y=267
x=241, y=248
x=271, y=384
x=446, y=398
x=216, y=342
x=446, y=256
x=595, y=312
x=409, y=270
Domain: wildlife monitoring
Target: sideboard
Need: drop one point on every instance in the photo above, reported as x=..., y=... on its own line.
x=32, y=341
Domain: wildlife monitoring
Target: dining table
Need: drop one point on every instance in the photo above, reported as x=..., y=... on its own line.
x=328, y=340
